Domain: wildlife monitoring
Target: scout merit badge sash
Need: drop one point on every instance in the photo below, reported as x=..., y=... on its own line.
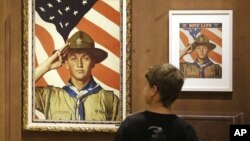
x=202, y=67
x=91, y=88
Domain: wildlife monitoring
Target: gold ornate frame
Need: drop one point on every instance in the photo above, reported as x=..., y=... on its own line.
x=27, y=84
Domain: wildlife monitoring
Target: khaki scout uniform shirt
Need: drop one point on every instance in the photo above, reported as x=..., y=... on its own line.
x=192, y=71
x=57, y=104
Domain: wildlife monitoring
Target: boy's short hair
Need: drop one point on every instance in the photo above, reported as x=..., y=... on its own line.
x=168, y=80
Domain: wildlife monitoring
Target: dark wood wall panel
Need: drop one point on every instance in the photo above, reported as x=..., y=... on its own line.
x=2, y=71
x=150, y=46
x=14, y=57
x=66, y=136
x=216, y=124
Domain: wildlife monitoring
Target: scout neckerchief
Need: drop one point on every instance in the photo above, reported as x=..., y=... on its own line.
x=202, y=67
x=91, y=88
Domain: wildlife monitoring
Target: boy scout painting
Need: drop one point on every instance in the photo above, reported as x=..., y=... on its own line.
x=77, y=60
x=201, y=50
x=82, y=98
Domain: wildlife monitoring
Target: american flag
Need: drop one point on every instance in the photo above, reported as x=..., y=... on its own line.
x=56, y=20
x=187, y=36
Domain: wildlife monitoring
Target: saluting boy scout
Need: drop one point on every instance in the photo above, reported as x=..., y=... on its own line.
x=82, y=98
x=202, y=67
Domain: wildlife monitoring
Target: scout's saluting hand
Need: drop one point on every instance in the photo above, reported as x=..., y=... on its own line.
x=187, y=50
x=53, y=62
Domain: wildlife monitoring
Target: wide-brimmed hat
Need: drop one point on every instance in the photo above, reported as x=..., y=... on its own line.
x=82, y=41
x=203, y=40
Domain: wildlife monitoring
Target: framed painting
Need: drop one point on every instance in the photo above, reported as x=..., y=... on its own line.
x=76, y=64
x=200, y=45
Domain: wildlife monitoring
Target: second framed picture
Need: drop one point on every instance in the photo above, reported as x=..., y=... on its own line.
x=200, y=45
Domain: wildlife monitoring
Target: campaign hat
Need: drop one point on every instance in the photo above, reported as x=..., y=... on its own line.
x=83, y=42
x=203, y=40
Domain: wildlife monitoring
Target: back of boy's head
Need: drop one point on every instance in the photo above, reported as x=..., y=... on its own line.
x=168, y=80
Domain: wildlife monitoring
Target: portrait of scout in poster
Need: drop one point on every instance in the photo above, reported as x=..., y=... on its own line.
x=201, y=50
x=77, y=59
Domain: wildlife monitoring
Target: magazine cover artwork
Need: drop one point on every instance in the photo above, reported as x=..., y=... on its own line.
x=201, y=50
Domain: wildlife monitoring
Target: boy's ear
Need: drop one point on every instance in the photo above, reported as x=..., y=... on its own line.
x=154, y=90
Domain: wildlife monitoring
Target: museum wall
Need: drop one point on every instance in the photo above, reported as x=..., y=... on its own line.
x=150, y=47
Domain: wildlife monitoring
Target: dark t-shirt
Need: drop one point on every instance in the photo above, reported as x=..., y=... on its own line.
x=149, y=126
